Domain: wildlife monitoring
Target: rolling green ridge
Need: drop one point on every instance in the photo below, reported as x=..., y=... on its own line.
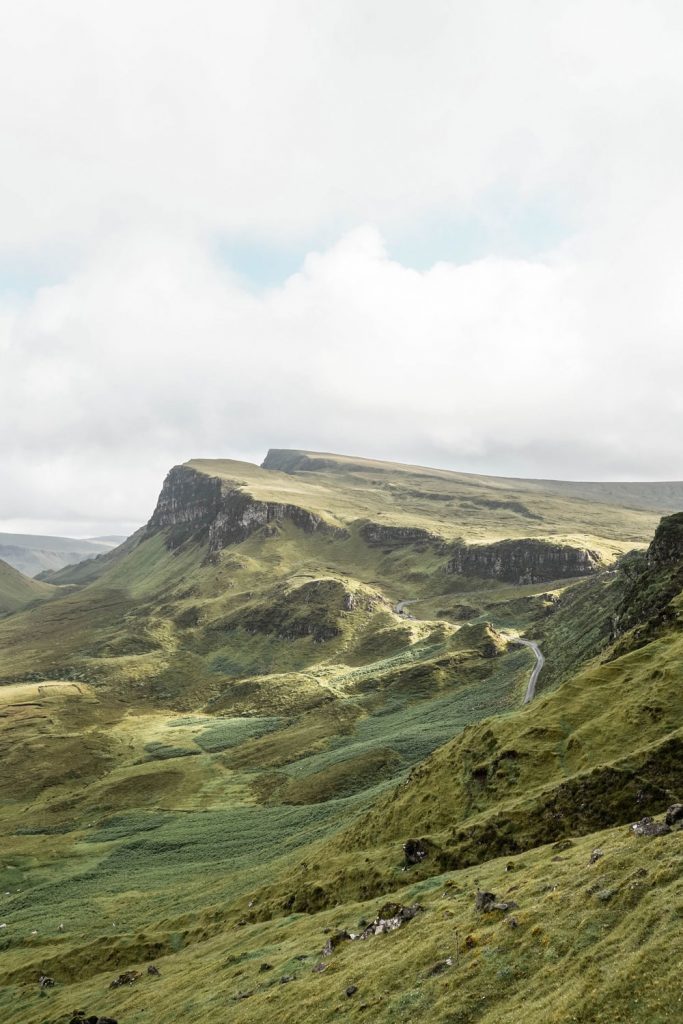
x=217, y=738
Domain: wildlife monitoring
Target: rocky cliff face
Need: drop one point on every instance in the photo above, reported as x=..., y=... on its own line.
x=666, y=548
x=523, y=561
x=651, y=581
x=378, y=535
x=192, y=503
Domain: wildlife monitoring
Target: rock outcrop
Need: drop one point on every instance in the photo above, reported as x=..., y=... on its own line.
x=379, y=535
x=649, y=827
x=651, y=581
x=666, y=549
x=523, y=561
x=220, y=512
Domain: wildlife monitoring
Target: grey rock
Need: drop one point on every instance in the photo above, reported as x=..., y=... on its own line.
x=390, y=917
x=127, y=978
x=674, y=814
x=483, y=901
x=414, y=851
x=334, y=941
x=649, y=827
x=526, y=560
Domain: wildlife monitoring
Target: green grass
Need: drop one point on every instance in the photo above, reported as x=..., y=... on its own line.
x=17, y=591
x=231, y=732
x=572, y=956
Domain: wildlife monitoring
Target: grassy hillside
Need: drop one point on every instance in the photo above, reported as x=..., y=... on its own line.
x=587, y=942
x=217, y=740
x=17, y=591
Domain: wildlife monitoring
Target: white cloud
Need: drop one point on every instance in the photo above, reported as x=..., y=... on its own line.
x=137, y=134
x=153, y=354
x=282, y=119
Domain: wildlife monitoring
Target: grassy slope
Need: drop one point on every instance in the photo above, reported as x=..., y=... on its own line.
x=168, y=822
x=593, y=943
x=17, y=590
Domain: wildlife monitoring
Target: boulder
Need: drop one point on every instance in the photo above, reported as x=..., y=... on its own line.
x=390, y=917
x=649, y=827
x=334, y=941
x=127, y=978
x=674, y=814
x=414, y=851
x=485, y=902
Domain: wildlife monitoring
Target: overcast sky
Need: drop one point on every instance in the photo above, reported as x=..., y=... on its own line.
x=437, y=231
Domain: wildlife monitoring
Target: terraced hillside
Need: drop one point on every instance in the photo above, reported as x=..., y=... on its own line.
x=217, y=740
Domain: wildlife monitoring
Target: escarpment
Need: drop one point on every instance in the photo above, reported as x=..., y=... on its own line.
x=523, y=561
x=652, y=581
x=193, y=503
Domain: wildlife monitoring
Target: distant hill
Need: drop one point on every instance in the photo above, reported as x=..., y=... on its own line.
x=32, y=554
x=17, y=590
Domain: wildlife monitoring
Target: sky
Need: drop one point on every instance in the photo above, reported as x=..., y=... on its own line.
x=431, y=231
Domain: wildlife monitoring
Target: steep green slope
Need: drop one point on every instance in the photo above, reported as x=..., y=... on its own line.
x=17, y=590
x=594, y=939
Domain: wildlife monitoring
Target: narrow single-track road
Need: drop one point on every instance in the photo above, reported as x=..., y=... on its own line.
x=402, y=605
x=540, y=662
x=400, y=609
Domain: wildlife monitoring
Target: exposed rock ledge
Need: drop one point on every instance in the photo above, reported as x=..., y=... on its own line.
x=379, y=535
x=523, y=561
x=192, y=503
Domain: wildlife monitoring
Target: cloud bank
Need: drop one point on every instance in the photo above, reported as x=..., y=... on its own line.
x=146, y=136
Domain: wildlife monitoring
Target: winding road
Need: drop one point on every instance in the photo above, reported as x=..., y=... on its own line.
x=404, y=604
x=540, y=660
